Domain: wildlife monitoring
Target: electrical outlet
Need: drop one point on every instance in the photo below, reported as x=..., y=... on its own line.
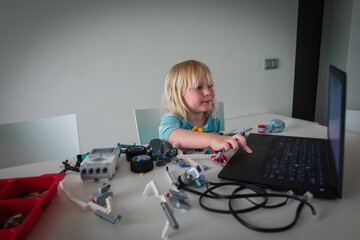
x=271, y=63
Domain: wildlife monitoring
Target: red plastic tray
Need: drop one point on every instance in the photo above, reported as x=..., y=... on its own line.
x=12, y=202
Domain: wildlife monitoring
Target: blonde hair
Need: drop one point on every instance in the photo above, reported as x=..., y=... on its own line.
x=182, y=77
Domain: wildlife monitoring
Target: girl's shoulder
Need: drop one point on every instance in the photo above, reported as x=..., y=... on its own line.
x=171, y=117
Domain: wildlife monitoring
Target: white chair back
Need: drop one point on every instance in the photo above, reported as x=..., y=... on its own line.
x=39, y=140
x=352, y=121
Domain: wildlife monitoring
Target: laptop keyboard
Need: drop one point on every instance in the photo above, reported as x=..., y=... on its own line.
x=296, y=160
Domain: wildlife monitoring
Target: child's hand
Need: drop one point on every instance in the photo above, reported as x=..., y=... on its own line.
x=225, y=142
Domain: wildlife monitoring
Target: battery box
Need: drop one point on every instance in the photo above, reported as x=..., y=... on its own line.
x=100, y=163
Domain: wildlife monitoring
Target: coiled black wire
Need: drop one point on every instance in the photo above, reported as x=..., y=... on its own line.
x=257, y=192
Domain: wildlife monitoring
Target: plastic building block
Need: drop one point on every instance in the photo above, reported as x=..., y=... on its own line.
x=173, y=152
x=241, y=131
x=185, y=165
x=170, y=219
x=123, y=147
x=12, y=222
x=274, y=126
x=88, y=205
x=75, y=168
x=24, y=210
x=107, y=217
x=208, y=151
x=183, y=155
x=177, y=199
x=173, y=181
x=102, y=212
x=196, y=128
x=153, y=186
x=219, y=158
x=194, y=174
x=157, y=147
x=101, y=194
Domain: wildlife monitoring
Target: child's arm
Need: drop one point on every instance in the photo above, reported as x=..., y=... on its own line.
x=191, y=139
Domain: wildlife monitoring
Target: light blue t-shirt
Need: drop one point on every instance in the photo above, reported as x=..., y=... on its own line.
x=170, y=122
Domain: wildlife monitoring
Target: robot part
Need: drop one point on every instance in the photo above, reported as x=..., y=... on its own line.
x=177, y=199
x=157, y=147
x=194, y=174
x=107, y=217
x=100, y=211
x=274, y=126
x=170, y=217
x=220, y=158
x=170, y=220
x=101, y=195
x=241, y=131
x=141, y=163
x=101, y=163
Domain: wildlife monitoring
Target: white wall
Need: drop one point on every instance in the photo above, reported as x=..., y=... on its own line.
x=340, y=47
x=102, y=59
x=353, y=60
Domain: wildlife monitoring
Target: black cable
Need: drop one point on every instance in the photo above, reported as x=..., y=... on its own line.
x=75, y=168
x=234, y=196
x=257, y=192
x=260, y=229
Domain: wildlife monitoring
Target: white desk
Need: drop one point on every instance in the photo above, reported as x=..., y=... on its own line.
x=142, y=217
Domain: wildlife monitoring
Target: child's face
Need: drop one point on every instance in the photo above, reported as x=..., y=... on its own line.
x=199, y=99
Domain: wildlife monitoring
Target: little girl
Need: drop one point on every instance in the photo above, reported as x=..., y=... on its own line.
x=190, y=101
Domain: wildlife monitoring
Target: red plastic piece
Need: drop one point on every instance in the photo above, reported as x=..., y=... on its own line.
x=221, y=159
x=12, y=203
x=261, y=128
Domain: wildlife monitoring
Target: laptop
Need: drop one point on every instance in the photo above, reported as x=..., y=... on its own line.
x=299, y=164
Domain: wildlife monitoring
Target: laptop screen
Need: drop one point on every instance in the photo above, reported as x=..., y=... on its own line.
x=336, y=114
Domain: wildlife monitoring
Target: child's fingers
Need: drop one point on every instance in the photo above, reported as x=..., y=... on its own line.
x=242, y=143
x=226, y=146
x=233, y=143
x=247, y=149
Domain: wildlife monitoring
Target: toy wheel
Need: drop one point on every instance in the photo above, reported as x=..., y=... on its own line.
x=172, y=152
x=141, y=164
x=135, y=150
